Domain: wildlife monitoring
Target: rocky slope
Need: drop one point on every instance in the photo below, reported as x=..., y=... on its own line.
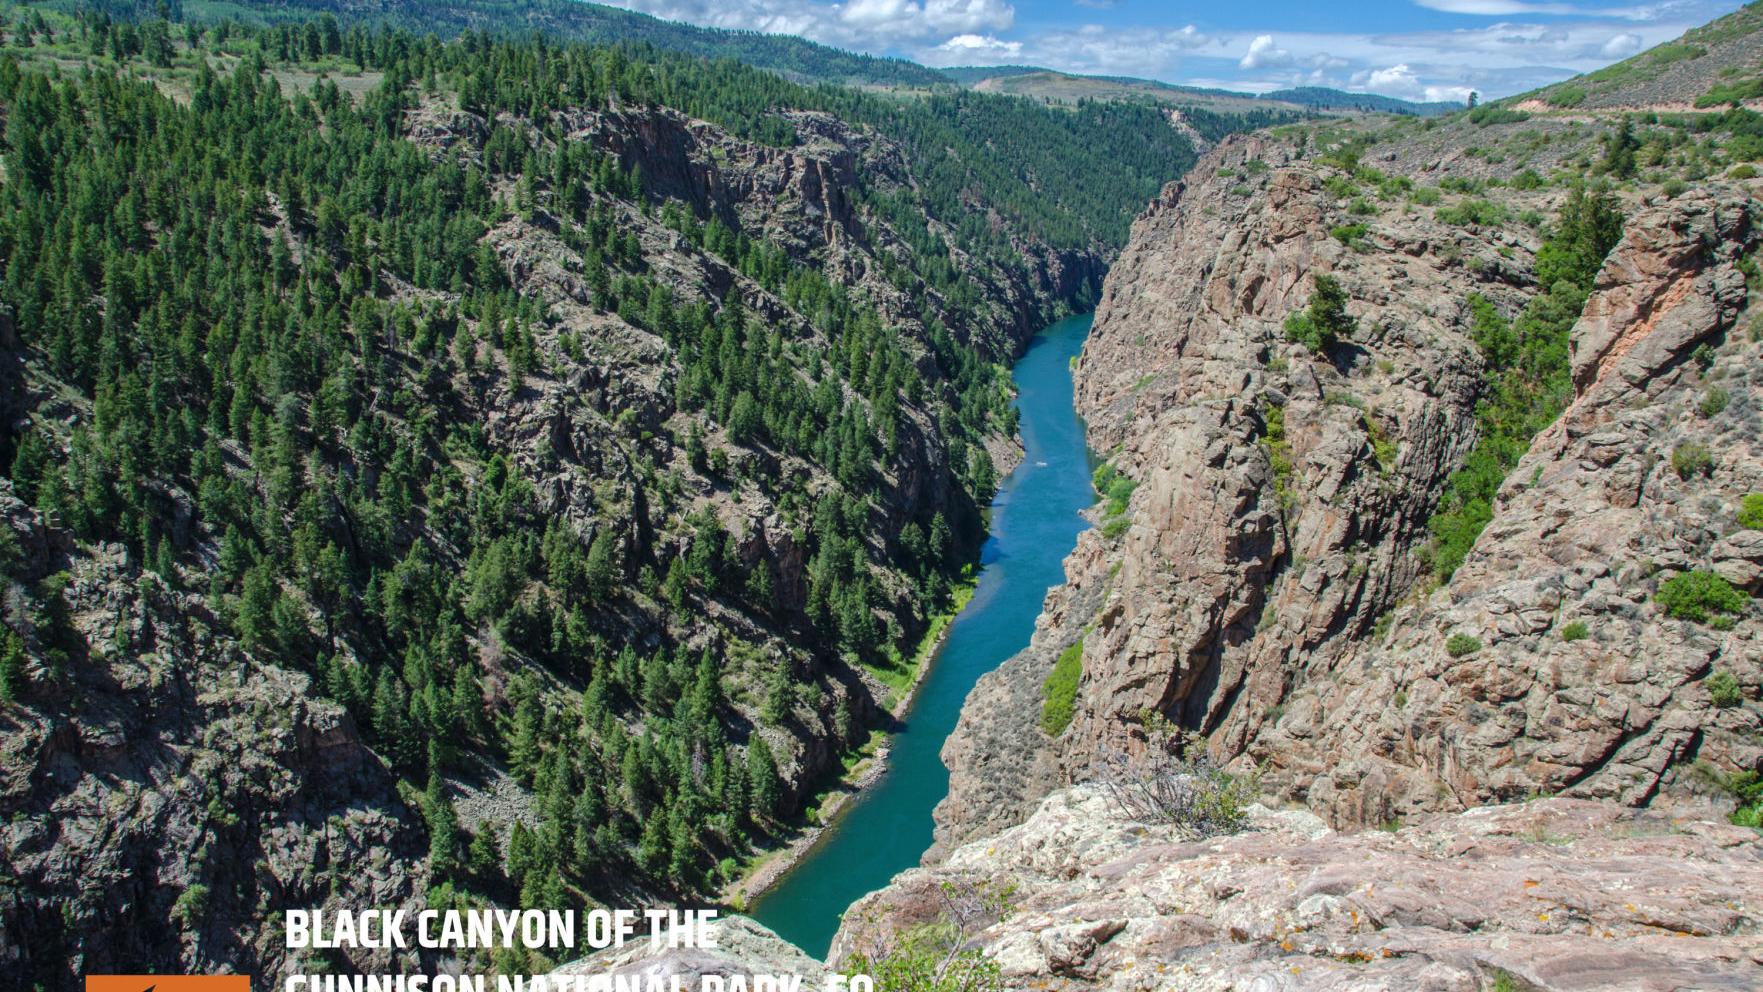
x=1270, y=590
x=1710, y=67
x=1554, y=895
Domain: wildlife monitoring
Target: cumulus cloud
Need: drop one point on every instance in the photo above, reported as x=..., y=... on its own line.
x=975, y=49
x=1147, y=52
x=1403, y=82
x=1264, y=54
x=1622, y=46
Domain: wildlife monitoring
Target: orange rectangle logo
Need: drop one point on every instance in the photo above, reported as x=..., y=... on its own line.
x=168, y=983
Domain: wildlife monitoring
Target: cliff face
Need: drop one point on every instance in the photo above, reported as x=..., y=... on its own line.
x=1593, y=519
x=1554, y=895
x=1269, y=589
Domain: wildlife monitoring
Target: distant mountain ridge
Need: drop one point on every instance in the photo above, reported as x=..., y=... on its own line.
x=793, y=57
x=568, y=20
x=1051, y=84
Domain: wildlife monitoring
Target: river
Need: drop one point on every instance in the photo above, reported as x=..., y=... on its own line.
x=1034, y=525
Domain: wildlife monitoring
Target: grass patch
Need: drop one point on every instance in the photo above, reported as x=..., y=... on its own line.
x=1751, y=512
x=1059, y=692
x=1115, y=490
x=900, y=676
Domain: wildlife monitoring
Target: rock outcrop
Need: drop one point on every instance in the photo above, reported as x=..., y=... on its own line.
x=186, y=781
x=1558, y=895
x=743, y=948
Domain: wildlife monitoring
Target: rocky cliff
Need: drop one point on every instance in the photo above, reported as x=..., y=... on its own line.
x=1268, y=584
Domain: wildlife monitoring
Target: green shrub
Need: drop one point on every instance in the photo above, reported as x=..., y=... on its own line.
x=1723, y=690
x=1460, y=645
x=1059, y=691
x=1751, y=512
x=1700, y=596
x=1475, y=212
x=1690, y=459
x=1116, y=526
x=1325, y=320
x=1426, y=196
x=1489, y=113
x=1566, y=97
x=1383, y=447
x=1529, y=179
x=1714, y=401
x=1675, y=188
x=1351, y=235
x=191, y=907
x=1748, y=89
x=1575, y=631
x=932, y=957
x=1746, y=171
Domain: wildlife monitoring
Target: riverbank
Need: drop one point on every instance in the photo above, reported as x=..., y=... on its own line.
x=863, y=767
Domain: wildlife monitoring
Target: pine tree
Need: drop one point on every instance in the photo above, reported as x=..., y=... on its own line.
x=443, y=826
x=12, y=665
x=766, y=787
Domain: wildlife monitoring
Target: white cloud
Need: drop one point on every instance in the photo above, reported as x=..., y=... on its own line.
x=1622, y=46
x=1263, y=53
x=1147, y=52
x=1401, y=81
x=1509, y=8
x=1496, y=8
x=972, y=49
x=870, y=25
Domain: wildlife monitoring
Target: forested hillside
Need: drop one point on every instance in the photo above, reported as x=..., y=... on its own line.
x=562, y=20
x=479, y=470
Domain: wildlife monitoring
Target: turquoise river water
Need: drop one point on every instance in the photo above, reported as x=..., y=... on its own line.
x=1034, y=525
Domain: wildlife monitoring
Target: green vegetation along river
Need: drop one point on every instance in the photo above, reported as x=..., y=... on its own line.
x=1034, y=525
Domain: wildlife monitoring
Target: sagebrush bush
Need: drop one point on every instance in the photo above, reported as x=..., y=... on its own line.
x=1578, y=630
x=1691, y=459
x=1714, y=401
x=1723, y=690
x=1459, y=645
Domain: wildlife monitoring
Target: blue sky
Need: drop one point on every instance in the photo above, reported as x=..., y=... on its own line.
x=1415, y=49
